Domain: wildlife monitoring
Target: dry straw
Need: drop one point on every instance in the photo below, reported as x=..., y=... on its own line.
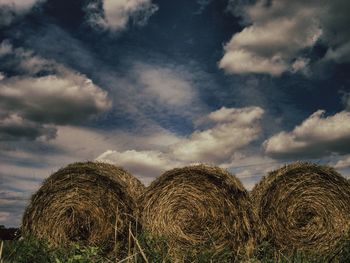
x=303, y=207
x=89, y=203
x=198, y=208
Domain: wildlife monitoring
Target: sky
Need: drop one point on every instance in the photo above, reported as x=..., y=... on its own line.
x=150, y=85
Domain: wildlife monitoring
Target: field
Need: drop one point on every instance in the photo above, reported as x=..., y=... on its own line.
x=93, y=212
x=32, y=251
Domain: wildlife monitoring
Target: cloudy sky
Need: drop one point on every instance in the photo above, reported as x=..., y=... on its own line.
x=150, y=85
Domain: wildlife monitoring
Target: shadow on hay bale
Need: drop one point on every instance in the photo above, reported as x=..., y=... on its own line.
x=89, y=203
x=303, y=207
x=198, y=208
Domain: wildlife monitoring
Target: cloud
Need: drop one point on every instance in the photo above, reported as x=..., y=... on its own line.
x=22, y=170
x=79, y=143
x=32, y=101
x=317, y=136
x=19, y=4
x=4, y=216
x=5, y=48
x=117, y=14
x=26, y=62
x=14, y=127
x=144, y=164
x=16, y=186
x=10, y=9
x=53, y=99
x=159, y=93
x=215, y=144
x=249, y=168
x=167, y=86
x=273, y=40
x=341, y=164
x=218, y=143
x=335, y=21
x=146, y=155
x=278, y=32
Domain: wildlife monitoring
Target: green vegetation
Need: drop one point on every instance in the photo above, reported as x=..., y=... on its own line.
x=34, y=251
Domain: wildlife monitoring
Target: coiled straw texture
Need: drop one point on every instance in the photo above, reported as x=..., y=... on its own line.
x=303, y=207
x=87, y=203
x=197, y=208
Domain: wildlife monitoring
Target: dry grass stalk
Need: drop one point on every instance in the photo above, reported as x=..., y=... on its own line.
x=89, y=203
x=198, y=208
x=303, y=207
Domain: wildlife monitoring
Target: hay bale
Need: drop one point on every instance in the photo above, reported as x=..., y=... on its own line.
x=133, y=186
x=198, y=209
x=303, y=207
x=89, y=203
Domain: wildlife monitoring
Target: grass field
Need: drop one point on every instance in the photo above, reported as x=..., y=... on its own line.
x=30, y=250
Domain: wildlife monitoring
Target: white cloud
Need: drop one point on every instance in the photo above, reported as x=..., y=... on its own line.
x=341, y=164
x=166, y=85
x=340, y=54
x=140, y=163
x=317, y=136
x=80, y=143
x=241, y=61
x=117, y=14
x=215, y=145
x=250, y=167
x=52, y=99
x=38, y=101
x=278, y=31
x=218, y=143
x=300, y=65
x=153, y=92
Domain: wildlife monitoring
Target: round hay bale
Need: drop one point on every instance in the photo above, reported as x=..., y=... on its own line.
x=133, y=186
x=303, y=207
x=88, y=203
x=198, y=209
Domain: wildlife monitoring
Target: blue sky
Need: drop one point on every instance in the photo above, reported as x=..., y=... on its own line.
x=152, y=85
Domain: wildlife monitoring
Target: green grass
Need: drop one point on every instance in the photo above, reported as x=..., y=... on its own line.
x=154, y=250
x=33, y=251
